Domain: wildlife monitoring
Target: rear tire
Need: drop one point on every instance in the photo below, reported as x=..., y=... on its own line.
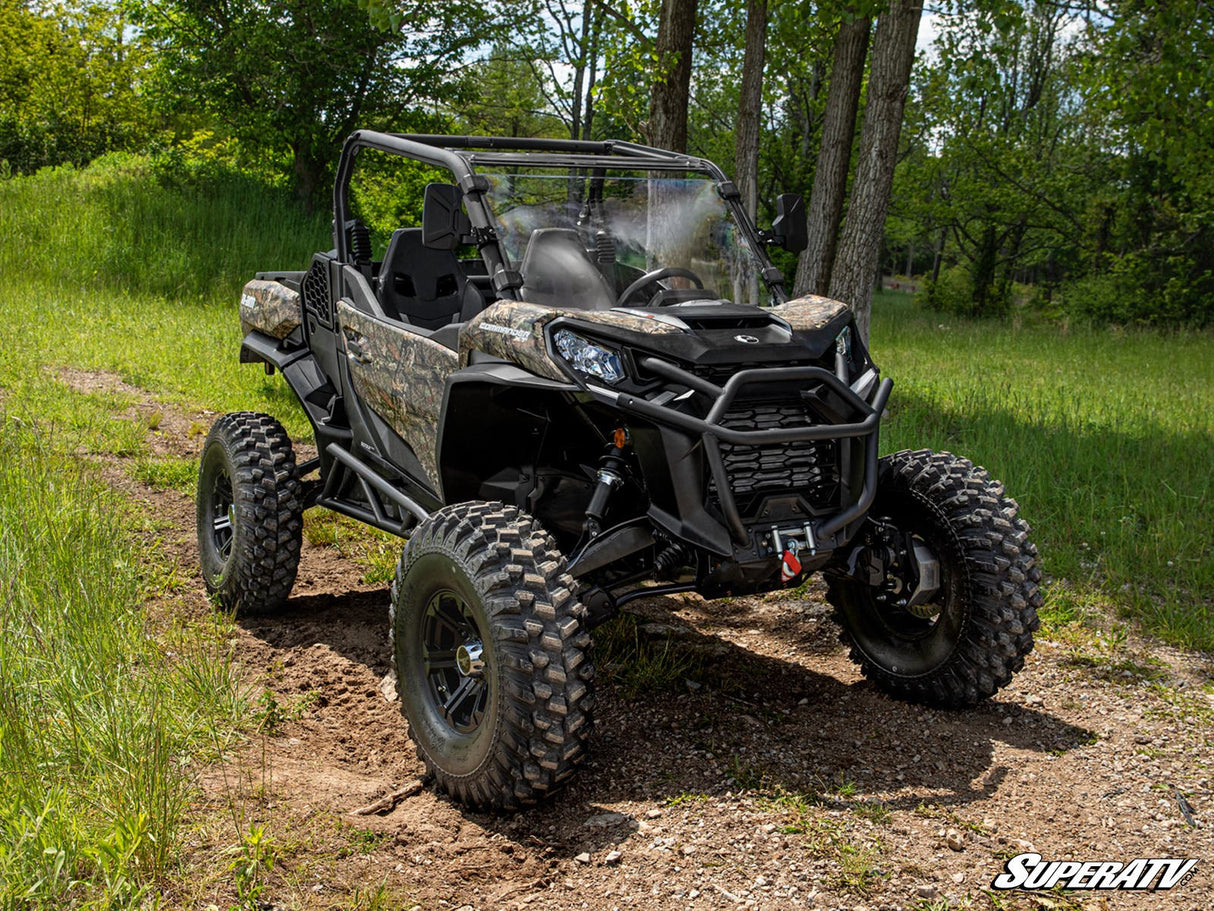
x=491, y=656
x=973, y=635
x=250, y=515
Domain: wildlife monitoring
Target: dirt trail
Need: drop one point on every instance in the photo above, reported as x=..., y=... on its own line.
x=804, y=787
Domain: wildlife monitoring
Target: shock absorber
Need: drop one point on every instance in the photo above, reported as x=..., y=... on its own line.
x=611, y=476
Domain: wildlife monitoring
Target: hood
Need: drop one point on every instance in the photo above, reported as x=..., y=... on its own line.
x=707, y=332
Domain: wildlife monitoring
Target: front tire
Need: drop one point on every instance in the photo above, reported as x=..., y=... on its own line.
x=968, y=640
x=249, y=511
x=491, y=656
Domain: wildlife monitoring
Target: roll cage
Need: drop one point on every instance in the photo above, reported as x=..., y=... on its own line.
x=461, y=155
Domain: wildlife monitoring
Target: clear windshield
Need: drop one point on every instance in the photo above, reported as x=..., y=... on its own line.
x=627, y=225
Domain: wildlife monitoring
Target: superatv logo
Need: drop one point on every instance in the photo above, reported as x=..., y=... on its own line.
x=1146, y=874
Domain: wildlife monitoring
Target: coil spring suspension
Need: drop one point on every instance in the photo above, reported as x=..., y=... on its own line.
x=360, y=242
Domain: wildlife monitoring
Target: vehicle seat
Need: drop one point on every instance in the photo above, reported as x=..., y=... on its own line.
x=425, y=287
x=558, y=272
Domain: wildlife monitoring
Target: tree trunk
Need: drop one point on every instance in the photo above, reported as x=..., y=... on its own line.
x=834, y=156
x=750, y=104
x=860, y=245
x=592, y=57
x=938, y=254
x=668, y=103
x=309, y=174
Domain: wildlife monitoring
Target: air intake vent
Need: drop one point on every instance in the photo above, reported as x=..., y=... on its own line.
x=315, y=291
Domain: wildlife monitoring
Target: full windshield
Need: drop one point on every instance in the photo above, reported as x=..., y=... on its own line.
x=560, y=229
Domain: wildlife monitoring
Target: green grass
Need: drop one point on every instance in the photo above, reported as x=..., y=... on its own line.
x=639, y=664
x=95, y=718
x=1104, y=437
x=377, y=552
x=168, y=474
x=122, y=267
x=104, y=708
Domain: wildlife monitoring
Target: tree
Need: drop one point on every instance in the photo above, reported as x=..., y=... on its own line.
x=1149, y=78
x=70, y=83
x=834, y=155
x=855, y=268
x=750, y=103
x=672, y=81
x=569, y=35
x=299, y=75
x=1009, y=172
x=504, y=95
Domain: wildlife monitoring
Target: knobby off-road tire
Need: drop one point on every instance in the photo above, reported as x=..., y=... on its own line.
x=250, y=514
x=482, y=583
x=988, y=597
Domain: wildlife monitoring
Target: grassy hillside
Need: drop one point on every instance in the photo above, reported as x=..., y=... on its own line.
x=115, y=268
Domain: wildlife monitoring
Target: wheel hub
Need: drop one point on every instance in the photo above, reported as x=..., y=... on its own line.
x=452, y=654
x=468, y=659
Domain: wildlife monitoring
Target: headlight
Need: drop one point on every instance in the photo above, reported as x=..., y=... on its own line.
x=589, y=358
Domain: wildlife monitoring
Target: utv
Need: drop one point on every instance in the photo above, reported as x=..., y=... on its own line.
x=580, y=381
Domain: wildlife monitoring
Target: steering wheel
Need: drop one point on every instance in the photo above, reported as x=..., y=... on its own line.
x=655, y=276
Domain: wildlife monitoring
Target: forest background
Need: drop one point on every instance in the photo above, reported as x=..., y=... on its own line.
x=1048, y=157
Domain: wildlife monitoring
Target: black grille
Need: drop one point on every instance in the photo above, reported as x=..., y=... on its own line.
x=809, y=468
x=315, y=291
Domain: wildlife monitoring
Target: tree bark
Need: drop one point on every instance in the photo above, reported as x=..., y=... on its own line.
x=860, y=244
x=750, y=104
x=309, y=173
x=668, y=102
x=834, y=156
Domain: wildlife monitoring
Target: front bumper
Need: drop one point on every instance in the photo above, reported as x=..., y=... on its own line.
x=864, y=413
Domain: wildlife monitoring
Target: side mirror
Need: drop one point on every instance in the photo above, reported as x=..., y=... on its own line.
x=444, y=224
x=789, y=229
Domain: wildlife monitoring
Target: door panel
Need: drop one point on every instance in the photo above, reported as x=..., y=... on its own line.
x=401, y=376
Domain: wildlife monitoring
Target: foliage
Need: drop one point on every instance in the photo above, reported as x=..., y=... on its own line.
x=162, y=225
x=297, y=78
x=96, y=724
x=1002, y=189
x=1148, y=76
x=1064, y=151
x=505, y=95
x=71, y=83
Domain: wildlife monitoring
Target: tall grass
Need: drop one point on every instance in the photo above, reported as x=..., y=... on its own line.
x=147, y=227
x=96, y=722
x=134, y=267
x=116, y=267
x=1104, y=437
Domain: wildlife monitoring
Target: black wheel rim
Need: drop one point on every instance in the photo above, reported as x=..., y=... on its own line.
x=897, y=640
x=451, y=654
x=223, y=515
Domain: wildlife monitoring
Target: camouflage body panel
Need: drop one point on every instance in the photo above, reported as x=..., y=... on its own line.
x=270, y=307
x=514, y=331
x=809, y=312
x=400, y=375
